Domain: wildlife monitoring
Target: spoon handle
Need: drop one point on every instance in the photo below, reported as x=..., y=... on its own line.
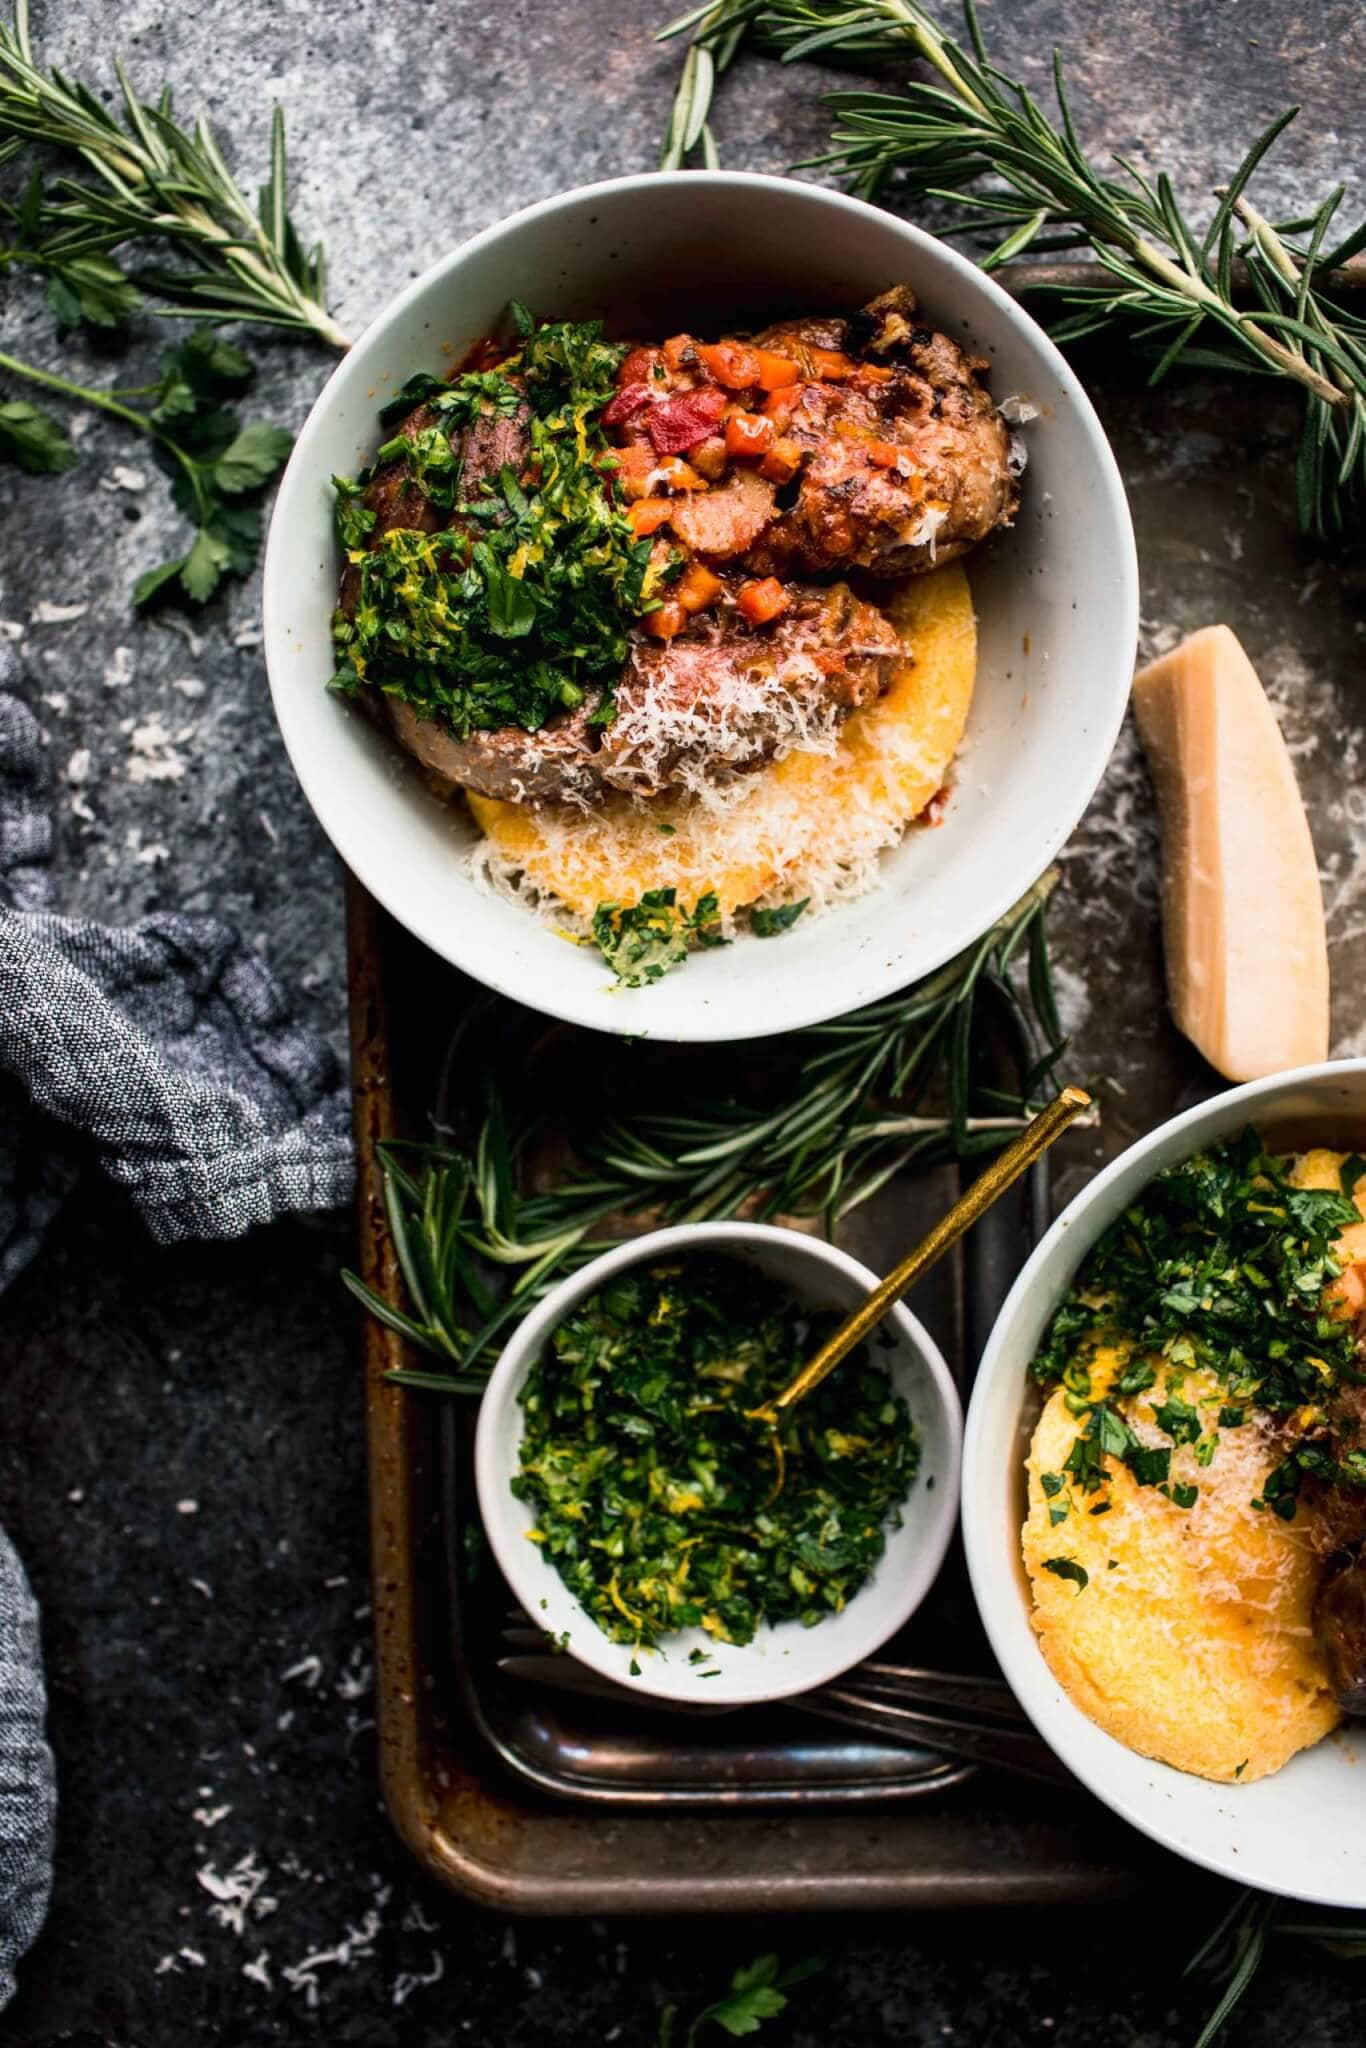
x=993, y=1180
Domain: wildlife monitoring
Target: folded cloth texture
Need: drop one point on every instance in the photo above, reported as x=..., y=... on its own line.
x=165, y=1045
x=28, y=1798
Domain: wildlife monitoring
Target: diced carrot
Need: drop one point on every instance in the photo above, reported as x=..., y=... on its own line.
x=677, y=475
x=680, y=352
x=749, y=433
x=732, y=365
x=668, y=620
x=763, y=600
x=782, y=462
x=831, y=365
x=886, y=455
x=780, y=405
x=775, y=371
x=697, y=588
x=647, y=515
x=873, y=373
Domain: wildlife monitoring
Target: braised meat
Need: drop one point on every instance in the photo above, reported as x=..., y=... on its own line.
x=906, y=464
x=691, y=712
x=823, y=446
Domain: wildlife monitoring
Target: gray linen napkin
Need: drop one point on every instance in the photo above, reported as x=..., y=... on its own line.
x=165, y=1049
x=28, y=1798
x=166, y=1044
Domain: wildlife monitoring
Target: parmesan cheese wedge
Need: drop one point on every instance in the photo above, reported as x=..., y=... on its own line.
x=1242, y=911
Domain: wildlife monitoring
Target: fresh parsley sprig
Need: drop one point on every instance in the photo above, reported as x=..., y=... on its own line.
x=978, y=140
x=758, y=1992
x=218, y=466
x=844, y=1107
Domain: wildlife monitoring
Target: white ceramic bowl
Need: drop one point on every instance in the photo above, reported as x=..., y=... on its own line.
x=1056, y=598
x=1297, y=1832
x=788, y=1658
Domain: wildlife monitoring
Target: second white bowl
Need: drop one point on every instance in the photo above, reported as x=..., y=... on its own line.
x=1297, y=1832
x=781, y=1660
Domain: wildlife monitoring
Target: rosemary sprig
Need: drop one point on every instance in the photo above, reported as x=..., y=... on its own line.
x=153, y=180
x=1233, y=1953
x=978, y=140
x=848, y=1105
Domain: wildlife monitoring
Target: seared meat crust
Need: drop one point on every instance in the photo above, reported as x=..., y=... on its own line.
x=858, y=507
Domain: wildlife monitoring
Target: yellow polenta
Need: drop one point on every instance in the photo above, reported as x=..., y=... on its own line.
x=1192, y=1639
x=808, y=825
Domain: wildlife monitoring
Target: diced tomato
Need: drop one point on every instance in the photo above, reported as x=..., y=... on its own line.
x=688, y=417
x=697, y=588
x=708, y=458
x=780, y=405
x=680, y=352
x=732, y=364
x=634, y=467
x=762, y=601
x=628, y=400
x=749, y=433
x=782, y=462
x=647, y=515
x=668, y=620
x=775, y=371
x=831, y=365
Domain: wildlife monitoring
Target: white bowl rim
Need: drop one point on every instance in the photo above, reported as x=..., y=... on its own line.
x=939, y=1507
x=553, y=999
x=1031, y=1679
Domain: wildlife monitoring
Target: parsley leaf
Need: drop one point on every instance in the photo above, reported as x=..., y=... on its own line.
x=770, y=924
x=251, y=458
x=1068, y=1568
x=645, y=941
x=33, y=440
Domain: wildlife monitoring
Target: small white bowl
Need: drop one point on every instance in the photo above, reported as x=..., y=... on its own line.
x=1056, y=599
x=787, y=1658
x=1298, y=1832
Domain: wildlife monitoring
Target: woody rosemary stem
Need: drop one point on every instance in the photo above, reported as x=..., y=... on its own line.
x=928, y=44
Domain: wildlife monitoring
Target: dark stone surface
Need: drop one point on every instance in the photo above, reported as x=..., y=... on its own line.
x=180, y=1438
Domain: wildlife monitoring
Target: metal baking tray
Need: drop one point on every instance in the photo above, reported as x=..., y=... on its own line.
x=536, y=1801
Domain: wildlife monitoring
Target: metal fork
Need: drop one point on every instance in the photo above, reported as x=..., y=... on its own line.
x=975, y=1719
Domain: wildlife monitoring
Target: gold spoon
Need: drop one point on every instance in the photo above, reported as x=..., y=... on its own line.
x=992, y=1182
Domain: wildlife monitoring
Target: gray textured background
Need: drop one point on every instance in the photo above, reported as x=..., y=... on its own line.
x=180, y=1454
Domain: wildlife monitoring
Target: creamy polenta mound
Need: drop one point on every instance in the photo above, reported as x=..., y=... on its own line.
x=809, y=825
x=1190, y=1638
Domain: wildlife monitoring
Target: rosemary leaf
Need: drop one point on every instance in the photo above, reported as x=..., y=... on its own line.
x=978, y=140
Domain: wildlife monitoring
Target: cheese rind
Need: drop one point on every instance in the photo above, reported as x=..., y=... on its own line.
x=1242, y=909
